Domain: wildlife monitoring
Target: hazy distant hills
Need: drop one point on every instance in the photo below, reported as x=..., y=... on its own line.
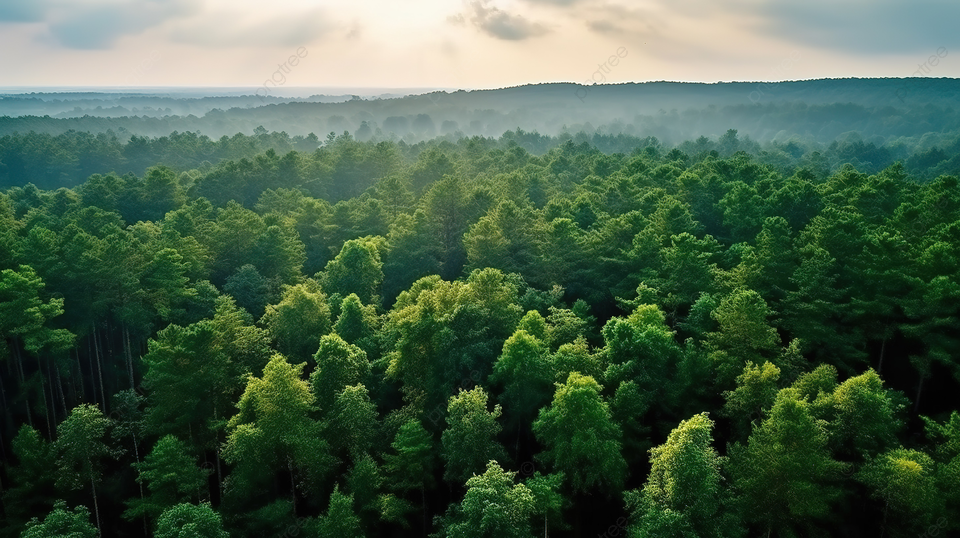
x=818, y=109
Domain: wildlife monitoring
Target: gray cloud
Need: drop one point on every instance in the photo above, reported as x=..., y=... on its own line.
x=621, y=21
x=94, y=24
x=497, y=23
x=865, y=27
x=859, y=27
x=13, y=11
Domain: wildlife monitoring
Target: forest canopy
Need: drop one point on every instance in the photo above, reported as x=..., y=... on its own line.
x=580, y=333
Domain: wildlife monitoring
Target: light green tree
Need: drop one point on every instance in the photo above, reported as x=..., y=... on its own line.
x=494, y=506
x=523, y=369
x=744, y=334
x=409, y=466
x=356, y=269
x=339, y=365
x=905, y=482
x=62, y=522
x=353, y=423
x=684, y=486
x=470, y=440
x=190, y=521
x=785, y=477
x=272, y=429
x=298, y=321
x=755, y=393
x=580, y=436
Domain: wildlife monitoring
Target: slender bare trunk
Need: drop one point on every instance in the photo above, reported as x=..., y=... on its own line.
x=293, y=486
x=516, y=448
x=126, y=349
x=883, y=347
x=91, y=357
x=423, y=504
x=63, y=397
x=23, y=387
x=96, y=505
x=216, y=452
x=43, y=394
x=883, y=525
x=98, y=352
x=3, y=394
x=916, y=402
x=136, y=454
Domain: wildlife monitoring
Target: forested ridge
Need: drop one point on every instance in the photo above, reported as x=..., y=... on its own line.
x=589, y=334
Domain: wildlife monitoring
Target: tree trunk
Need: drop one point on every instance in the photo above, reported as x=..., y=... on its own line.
x=63, y=397
x=916, y=402
x=216, y=453
x=423, y=504
x=883, y=347
x=93, y=373
x=516, y=448
x=126, y=349
x=98, y=352
x=883, y=525
x=75, y=363
x=96, y=506
x=136, y=455
x=43, y=393
x=23, y=388
x=293, y=486
x=3, y=394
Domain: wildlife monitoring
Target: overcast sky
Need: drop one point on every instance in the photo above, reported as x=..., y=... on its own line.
x=468, y=44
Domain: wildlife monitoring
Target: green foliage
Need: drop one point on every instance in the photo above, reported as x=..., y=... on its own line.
x=249, y=289
x=601, y=288
x=865, y=420
x=81, y=447
x=356, y=270
x=493, y=506
x=364, y=482
x=353, y=423
x=581, y=437
x=358, y=324
x=410, y=464
x=298, y=321
x=743, y=334
x=469, y=441
x=339, y=365
x=31, y=487
x=524, y=370
x=784, y=477
x=190, y=521
x=905, y=482
x=640, y=348
x=191, y=379
x=62, y=522
x=171, y=476
x=755, y=393
x=273, y=426
x=24, y=315
x=340, y=519
x=683, y=491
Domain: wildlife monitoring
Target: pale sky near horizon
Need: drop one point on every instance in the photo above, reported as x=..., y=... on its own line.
x=470, y=43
